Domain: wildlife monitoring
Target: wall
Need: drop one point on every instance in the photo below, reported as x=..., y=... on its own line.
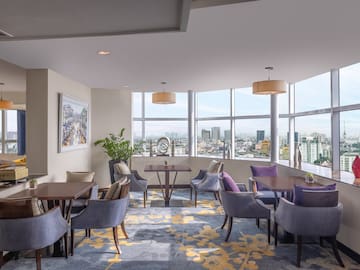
x=43, y=87
x=111, y=111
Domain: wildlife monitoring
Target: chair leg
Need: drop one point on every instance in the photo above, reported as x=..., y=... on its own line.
x=145, y=199
x=336, y=251
x=123, y=230
x=195, y=198
x=218, y=196
x=66, y=245
x=268, y=229
x=258, y=222
x=1, y=258
x=299, y=246
x=215, y=195
x=38, y=259
x=190, y=193
x=72, y=243
x=89, y=233
x=116, y=240
x=276, y=233
x=321, y=242
x=229, y=228
x=225, y=220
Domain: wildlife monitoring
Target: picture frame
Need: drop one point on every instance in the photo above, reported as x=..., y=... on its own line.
x=73, y=124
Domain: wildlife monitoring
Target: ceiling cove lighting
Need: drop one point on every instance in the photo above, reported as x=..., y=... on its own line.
x=163, y=97
x=269, y=87
x=5, y=104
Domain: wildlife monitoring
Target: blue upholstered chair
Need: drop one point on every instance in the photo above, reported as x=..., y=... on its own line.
x=318, y=215
x=207, y=180
x=241, y=204
x=100, y=214
x=262, y=193
x=137, y=184
x=30, y=233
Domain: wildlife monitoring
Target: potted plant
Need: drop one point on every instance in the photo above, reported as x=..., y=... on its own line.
x=33, y=183
x=309, y=178
x=117, y=148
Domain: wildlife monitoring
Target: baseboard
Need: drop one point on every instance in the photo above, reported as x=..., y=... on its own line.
x=349, y=252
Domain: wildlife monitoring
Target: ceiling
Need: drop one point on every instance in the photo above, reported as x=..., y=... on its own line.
x=223, y=46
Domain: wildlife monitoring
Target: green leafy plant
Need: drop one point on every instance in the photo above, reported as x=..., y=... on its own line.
x=116, y=147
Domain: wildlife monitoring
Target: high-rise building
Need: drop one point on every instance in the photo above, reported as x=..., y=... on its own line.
x=260, y=135
x=296, y=137
x=215, y=133
x=346, y=161
x=227, y=135
x=205, y=135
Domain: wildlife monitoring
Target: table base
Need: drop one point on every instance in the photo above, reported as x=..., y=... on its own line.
x=171, y=203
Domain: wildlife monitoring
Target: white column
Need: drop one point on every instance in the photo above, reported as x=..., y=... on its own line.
x=191, y=124
x=274, y=129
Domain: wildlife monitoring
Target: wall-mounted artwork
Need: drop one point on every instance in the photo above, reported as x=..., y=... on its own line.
x=73, y=124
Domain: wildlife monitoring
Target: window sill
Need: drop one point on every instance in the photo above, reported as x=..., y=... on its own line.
x=343, y=177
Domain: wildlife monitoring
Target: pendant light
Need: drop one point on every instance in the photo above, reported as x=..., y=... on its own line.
x=163, y=97
x=4, y=104
x=269, y=87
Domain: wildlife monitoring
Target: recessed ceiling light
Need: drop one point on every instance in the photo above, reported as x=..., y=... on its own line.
x=103, y=52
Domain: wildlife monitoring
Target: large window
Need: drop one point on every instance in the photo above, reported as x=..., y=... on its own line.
x=153, y=121
x=213, y=104
x=350, y=85
x=8, y=132
x=246, y=103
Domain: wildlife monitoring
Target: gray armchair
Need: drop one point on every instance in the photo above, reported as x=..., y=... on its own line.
x=36, y=232
x=100, y=214
x=242, y=205
x=309, y=220
x=137, y=184
x=206, y=182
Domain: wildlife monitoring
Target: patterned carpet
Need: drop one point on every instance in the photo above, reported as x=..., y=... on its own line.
x=182, y=238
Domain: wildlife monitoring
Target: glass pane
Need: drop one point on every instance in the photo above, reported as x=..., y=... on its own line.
x=210, y=137
x=11, y=148
x=313, y=93
x=350, y=85
x=179, y=109
x=315, y=139
x=137, y=131
x=214, y=103
x=252, y=138
x=175, y=130
x=349, y=138
x=248, y=104
x=11, y=125
x=136, y=104
x=284, y=138
x=283, y=100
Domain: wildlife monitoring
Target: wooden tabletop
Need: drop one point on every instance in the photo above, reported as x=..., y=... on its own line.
x=56, y=191
x=282, y=183
x=167, y=168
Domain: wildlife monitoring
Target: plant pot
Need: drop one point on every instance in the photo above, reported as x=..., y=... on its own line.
x=111, y=168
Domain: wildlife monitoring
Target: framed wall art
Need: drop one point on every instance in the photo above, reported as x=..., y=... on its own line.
x=73, y=124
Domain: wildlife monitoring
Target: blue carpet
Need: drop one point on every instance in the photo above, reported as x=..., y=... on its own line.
x=182, y=238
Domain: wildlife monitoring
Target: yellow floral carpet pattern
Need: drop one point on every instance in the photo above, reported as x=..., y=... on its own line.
x=184, y=238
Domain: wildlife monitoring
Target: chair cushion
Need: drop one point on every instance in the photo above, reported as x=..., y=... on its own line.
x=121, y=168
x=214, y=166
x=119, y=189
x=263, y=171
x=324, y=198
x=298, y=192
x=229, y=183
x=72, y=177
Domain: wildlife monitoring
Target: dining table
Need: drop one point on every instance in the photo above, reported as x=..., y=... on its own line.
x=167, y=188
x=57, y=194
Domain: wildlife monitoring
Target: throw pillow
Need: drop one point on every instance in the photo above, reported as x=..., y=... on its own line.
x=229, y=183
x=214, y=166
x=121, y=168
x=72, y=177
x=112, y=190
x=298, y=192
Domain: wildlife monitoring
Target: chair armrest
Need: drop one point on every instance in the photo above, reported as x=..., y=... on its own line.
x=308, y=221
x=200, y=175
x=137, y=175
x=242, y=187
x=94, y=192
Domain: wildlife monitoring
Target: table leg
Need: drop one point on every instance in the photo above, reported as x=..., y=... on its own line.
x=167, y=189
